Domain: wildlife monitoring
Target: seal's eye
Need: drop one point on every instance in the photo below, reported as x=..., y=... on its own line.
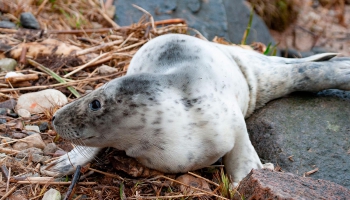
x=95, y=105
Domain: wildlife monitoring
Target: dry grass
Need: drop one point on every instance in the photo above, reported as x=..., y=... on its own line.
x=77, y=37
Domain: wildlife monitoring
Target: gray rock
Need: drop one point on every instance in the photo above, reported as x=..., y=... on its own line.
x=7, y=64
x=28, y=20
x=7, y=24
x=18, y=135
x=37, y=158
x=10, y=104
x=43, y=126
x=3, y=111
x=3, y=121
x=208, y=17
x=29, y=151
x=223, y=18
x=305, y=132
x=50, y=149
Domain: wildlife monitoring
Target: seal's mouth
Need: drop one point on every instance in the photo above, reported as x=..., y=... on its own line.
x=89, y=138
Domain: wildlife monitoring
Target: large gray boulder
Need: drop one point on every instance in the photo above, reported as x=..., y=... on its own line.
x=223, y=18
x=300, y=133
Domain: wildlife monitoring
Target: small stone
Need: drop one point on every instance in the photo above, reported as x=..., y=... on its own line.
x=39, y=158
x=105, y=70
x=32, y=128
x=3, y=155
x=28, y=20
x=13, y=115
x=34, y=141
x=10, y=104
x=7, y=24
x=7, y=64
x=38, y=102
x=3, y=111
x=50, y=149
x=30, y=132
x=29, y=151
x=23, y=113
x=3, y=121
x=20, y=146
x=17, y=196
x=52, y=194
x=43, y=126
x=18, y=135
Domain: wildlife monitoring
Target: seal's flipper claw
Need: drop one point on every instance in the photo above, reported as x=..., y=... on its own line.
x=67, y=163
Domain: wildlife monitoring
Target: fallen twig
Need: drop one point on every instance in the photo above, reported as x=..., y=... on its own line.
x=74, y=181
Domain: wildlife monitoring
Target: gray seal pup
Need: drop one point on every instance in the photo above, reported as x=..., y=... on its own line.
x=183, y=102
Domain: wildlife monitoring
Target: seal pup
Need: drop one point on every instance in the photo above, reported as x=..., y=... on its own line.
x=182, y=104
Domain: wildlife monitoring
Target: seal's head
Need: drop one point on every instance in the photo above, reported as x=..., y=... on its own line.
x=112, y=115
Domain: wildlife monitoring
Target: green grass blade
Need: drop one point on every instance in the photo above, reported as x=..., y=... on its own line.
x=247, y=30
x=267, y=51
x=54, y=75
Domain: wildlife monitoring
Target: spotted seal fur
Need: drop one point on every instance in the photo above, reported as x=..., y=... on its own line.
x=182, y=105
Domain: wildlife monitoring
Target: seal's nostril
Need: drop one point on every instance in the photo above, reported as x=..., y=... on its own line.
x=53, y=118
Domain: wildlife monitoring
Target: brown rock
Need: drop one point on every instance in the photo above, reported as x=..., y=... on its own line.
x=266, y=184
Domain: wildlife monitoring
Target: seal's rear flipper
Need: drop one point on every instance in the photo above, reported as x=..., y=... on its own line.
x=315, y=58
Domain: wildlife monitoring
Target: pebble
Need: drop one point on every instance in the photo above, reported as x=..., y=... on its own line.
x=23, y=113
x=18, y=135
x=43, y=126
x=52, y=194
x=13, y=115
x=7, y=24
x=105, y=70
x=36, y=155
x=38, y=102
x=28, y=20
x=33, y=140
x=10, y=104
x=3, y=121
x=32, y=128
x=25, y=152
x=19, y=146
x=30, y=132
x=40, y=158
x=7, y=64
x=50, y=149
x=3, y=111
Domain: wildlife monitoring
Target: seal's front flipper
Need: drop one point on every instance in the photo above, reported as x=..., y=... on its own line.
x=67, y=163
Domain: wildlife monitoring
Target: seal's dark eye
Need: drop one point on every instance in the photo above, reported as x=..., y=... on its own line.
x=95, y=105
